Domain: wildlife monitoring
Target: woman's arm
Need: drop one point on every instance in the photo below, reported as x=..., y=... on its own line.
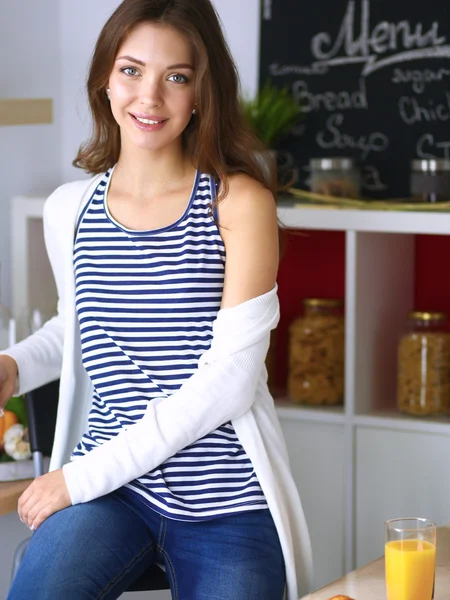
x=249, y=229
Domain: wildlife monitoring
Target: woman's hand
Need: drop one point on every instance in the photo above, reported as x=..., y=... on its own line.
x=46, y=495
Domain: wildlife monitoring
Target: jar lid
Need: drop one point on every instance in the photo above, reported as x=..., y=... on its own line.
x=430, y=165
x=427, y=316
x=332, y=164
x=322, y=302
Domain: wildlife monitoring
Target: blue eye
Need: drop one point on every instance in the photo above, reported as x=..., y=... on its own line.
x=130, y=71
x=178, y=78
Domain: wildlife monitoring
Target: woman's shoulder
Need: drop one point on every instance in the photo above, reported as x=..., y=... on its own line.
x=247, y=198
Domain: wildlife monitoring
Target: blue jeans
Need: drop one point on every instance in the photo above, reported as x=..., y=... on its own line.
x=96, y=550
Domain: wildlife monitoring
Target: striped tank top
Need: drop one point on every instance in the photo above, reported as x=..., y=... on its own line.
x=146, y=302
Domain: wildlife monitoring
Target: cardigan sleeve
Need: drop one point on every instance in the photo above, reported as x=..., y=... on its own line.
x=223, y=388
x=39, y=356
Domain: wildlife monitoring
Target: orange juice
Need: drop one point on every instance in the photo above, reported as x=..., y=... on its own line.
x=410, y=569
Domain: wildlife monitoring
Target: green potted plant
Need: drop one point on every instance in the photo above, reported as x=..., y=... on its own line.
x=272, y=113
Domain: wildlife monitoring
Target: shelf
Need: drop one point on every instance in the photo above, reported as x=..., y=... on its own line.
x=26, y=111
x=329, y=414
x=299, y=217
x=10, y=492
x=29, y=207
x=398, y=421
x=379, y=420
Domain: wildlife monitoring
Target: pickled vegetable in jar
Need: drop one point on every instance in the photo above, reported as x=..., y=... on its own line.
x=338, y=177
x=316, y=353
x=423, y=376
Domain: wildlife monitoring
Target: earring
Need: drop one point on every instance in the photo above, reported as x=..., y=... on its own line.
x=108, y=92
x=194, y=112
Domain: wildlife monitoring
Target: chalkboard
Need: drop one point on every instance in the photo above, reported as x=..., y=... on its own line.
x=373, y=77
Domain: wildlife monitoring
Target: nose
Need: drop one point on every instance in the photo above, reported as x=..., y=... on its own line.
x=151, y=93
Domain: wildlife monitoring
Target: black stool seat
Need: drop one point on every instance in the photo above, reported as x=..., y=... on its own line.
x=154, y=578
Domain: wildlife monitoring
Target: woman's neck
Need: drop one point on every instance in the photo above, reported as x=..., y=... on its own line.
x=143, y=175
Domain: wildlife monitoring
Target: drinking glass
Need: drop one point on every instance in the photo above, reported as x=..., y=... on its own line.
x=410, y=554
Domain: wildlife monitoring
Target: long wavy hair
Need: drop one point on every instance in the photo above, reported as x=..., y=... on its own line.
x=217, y=138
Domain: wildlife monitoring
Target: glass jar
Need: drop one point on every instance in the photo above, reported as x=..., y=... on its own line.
x=430, y=180
x=335, y=177
x=316, y=353
x=423, y=374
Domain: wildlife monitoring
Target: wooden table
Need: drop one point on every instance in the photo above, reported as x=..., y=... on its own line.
x=368, y=582
x=10, y=491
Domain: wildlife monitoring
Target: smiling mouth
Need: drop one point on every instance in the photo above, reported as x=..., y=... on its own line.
x=148, y=121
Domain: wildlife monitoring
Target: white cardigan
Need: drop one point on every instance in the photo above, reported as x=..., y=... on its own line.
x=230, y=384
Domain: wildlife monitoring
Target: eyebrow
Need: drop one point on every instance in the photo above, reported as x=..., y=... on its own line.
x=139, y=62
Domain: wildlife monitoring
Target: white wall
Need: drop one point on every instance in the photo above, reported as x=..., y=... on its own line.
x=29, y=154
x=80, y=24
x=240, y=19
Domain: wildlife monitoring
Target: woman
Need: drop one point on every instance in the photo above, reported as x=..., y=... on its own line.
x=167, y=446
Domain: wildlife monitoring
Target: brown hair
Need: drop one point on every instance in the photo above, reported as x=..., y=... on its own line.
x=218, y=138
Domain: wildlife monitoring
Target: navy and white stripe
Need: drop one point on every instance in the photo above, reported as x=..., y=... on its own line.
x=146, y=301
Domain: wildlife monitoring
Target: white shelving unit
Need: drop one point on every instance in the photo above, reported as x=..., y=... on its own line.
x=296, y=217
x=33, y=285
x=356, y=465
x=380, y=266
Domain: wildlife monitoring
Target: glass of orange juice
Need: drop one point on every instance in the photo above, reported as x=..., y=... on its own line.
x=410, y=555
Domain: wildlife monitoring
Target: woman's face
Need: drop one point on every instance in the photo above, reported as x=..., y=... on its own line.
x=152, y=87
